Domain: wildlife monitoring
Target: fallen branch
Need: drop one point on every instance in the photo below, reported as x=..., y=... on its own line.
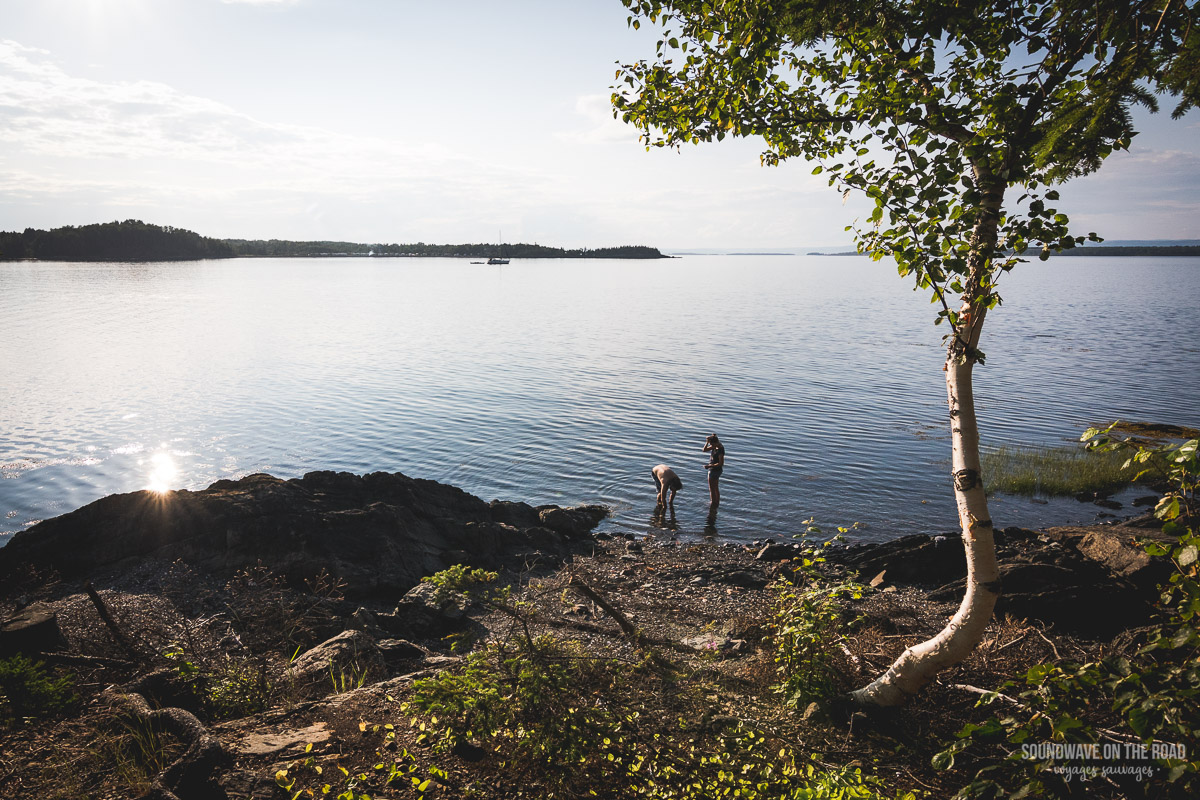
x=629, y=630
x=106, y=617
x=1057, y=657
x=966, y=687
x=1117, y=735
x=854, y=660
x=1014, y=641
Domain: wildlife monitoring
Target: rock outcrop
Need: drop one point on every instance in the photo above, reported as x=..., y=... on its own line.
x=380, y=533
x=1092, y=581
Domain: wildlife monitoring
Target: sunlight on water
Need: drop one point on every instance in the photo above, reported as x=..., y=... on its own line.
x=164, y=473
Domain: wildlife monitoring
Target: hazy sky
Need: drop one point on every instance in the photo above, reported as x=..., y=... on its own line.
x=398, y=121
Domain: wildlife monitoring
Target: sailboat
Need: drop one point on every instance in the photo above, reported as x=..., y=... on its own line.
x=496, y=260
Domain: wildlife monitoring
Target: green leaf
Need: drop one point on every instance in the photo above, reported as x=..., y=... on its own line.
x=943, y=760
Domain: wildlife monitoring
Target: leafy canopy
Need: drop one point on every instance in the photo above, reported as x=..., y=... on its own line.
x=933, y=108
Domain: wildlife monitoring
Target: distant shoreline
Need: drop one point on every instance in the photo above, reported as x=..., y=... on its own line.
x=134, y=240
x=1147, y=250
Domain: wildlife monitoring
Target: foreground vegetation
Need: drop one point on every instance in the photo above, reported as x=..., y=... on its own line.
x=563, y=684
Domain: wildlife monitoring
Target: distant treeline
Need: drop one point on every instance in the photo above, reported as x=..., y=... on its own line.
x=1139, y=250
x=1116, y=250
x=275, y=248
x=131, y=240
x=134, y=240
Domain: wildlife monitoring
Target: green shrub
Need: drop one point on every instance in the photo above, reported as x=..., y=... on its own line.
x=230, y=688
x=27, y=690
x=1120, y=704
x=810, y=628
x=574, y=725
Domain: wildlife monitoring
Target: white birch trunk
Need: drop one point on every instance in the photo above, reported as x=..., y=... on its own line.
x=917, y=665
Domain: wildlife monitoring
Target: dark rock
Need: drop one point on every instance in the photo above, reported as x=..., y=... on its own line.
x=742, y=578
x=34, y=629
x=775, y=552
x=918, y=559
x=394, y=650
x=1086, y=580
x=424, y=614
x=573, y=523
x=519, y=515
x=1145, y=500
x=380, y=533
x=1107, y=503
x=337, y=664
x=1120, y=556
x=467, y=751
x=365, y=621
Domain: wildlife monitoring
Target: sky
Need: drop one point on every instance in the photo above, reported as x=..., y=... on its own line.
x=398, y=121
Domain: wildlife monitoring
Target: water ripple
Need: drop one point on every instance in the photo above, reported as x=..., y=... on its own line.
x=565, y=382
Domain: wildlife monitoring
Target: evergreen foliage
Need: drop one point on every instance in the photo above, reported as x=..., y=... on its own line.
x=131, y=240
x=282, y=248
x=28, y=690
x=134, y=240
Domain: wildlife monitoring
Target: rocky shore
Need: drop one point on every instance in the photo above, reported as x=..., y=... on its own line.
x=312, y=587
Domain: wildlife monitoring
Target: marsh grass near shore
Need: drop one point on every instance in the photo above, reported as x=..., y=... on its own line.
x=1054, y=471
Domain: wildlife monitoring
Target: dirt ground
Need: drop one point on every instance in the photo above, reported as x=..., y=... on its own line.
x=704, y=609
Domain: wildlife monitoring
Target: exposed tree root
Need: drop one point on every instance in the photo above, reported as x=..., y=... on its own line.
x=192, y=771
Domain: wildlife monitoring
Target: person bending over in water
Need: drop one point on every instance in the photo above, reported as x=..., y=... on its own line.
x=715, y=466
x=665, y=480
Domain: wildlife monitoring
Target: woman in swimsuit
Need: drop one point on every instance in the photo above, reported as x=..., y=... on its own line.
x=715, y=466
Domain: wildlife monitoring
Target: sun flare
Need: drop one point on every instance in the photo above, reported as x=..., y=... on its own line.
x=163, y=472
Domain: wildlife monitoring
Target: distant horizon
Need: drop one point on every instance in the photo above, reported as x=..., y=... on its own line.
x=682, y=250
x=314, y=124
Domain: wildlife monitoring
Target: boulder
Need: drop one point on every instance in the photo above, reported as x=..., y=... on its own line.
x=1088, y=581
x=32, y=630
x=571, y=522
x=399, y=650
x=919, y=559
x=776, y=552
x=426, y=613
x=380, y=533
x=336, y=665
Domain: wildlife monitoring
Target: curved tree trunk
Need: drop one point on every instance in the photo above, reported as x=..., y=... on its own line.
x=917, y=665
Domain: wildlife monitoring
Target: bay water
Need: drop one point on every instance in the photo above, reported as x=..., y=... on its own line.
x=565, y=381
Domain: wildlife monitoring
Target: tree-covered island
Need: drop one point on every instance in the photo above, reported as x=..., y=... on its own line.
x=134, y=240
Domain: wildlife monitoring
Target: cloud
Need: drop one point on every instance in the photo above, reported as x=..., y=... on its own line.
x=74, y=140
x=1152, y=193
x=596, y=123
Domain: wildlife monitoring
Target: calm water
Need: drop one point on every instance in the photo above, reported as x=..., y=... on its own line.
x=565, y=381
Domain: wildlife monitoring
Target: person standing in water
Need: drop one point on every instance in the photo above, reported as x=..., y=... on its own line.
x=715, y=466
x=665, y=480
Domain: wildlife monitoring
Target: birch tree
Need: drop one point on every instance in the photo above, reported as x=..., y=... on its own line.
x=957, y=120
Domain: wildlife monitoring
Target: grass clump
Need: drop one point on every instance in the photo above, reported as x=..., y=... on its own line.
x=1054, y=471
